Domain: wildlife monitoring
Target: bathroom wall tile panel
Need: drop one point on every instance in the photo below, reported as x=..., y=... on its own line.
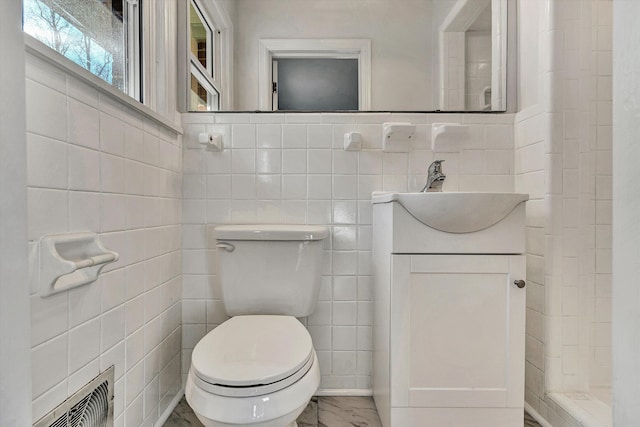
x=49, y=364
x=47, y=212
x=111, y=135
x=49, y=317
x=84, y=344
x=84, y=210
x=84, y=303
x=84, y=169
x=268, y=135
x=49, y=399
x=46, y=111
x=305, y=180
x=48, y=162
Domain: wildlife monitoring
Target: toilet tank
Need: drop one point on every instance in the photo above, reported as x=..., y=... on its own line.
x=269, y=269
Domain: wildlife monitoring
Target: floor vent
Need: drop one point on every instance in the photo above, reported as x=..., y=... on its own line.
x=91, y=406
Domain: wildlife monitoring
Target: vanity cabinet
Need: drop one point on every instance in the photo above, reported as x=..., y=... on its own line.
x=449, y=328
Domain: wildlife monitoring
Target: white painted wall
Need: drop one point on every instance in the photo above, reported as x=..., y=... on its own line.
x=402, y=76
x=626, y=211
x=15, y=374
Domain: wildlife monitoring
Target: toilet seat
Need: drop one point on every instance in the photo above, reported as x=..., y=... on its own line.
x=252, y=355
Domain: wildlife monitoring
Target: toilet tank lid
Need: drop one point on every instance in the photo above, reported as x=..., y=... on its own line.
x=270, y=232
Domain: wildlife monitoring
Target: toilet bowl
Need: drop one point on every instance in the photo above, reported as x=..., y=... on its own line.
x=259, y=368
x=253, y=371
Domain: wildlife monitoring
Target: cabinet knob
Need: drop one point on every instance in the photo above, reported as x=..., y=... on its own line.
x=519, y=283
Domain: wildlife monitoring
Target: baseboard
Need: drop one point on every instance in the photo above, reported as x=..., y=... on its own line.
x=536, y=416
x=167, y=412
x=344, y=392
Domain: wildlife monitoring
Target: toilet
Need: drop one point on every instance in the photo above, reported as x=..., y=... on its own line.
x=259, y=368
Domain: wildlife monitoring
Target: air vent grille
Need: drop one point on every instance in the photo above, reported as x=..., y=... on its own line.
x=91, y=406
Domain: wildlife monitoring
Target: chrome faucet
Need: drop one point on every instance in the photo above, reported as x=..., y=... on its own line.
x=436, y=177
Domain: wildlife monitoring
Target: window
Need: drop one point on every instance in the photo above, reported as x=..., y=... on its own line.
x=322, y=84
x=102, y=36
x=204, y=62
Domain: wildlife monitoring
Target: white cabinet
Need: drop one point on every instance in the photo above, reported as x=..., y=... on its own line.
x=449, y=330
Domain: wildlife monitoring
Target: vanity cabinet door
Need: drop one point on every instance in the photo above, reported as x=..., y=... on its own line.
x=457, y=331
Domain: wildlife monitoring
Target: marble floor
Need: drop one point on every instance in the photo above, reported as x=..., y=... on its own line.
x=343, y=411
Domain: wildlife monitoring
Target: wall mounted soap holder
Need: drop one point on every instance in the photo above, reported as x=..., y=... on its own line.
x=64, y=261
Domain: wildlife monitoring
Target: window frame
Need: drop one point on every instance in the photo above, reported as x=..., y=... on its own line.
x=132, y=62
x=217, y=77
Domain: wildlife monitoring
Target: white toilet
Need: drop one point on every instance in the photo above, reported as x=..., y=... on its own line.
x=259, y=368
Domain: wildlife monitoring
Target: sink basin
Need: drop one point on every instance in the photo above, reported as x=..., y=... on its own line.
x=456, y=212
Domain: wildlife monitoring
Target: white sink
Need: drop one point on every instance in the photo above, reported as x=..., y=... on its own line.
x=456, y=212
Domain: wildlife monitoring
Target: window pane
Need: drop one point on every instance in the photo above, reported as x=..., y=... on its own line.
x=317, y=84
x=91, y=33
x=201, y=99
x=198, y=32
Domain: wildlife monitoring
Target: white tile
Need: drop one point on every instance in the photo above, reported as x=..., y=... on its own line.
x=218, y=186
x=344, y=238
x=244, y=136
x=320, y=136
x=84, y=211
x=344, y=338
x=134, y=349
x=49, y=400
x=194, y=311
x=112, y=328
x=345, y=162
x=84, y=303
x=319, y=187
x=319, y=161
x=111, y=135
x=343, y=362
x=134, y=384
x=133, y=143
x=84, y=344
x=294, y=136
x=115, y=357
x=46, y=112
x=243, y=161
x=84, y=169
x=321, y=336
x=113, y=215
x=344, y=288
x=368, y=184
x=112, y=173
x=49, y=317
x=370, y=162
x=345, y=212
x=82, y=376
x=268, y=187
x=194, y=186
x=345, y=187
x=48, y=364
x=243, y=186
x=269, y=136
x=294, y=187
x=47, y=212
x=47, y=159
x=134, y=314
x=113, y=289
x=294, y=161
x=319, y=212
x=268, y=161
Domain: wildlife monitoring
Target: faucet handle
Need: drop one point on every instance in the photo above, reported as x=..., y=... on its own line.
x=436, y=166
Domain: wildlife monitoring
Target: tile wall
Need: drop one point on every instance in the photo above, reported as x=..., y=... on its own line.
x=563, y=158
x=291, y=168
x=478, y=69
x=94, y=165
